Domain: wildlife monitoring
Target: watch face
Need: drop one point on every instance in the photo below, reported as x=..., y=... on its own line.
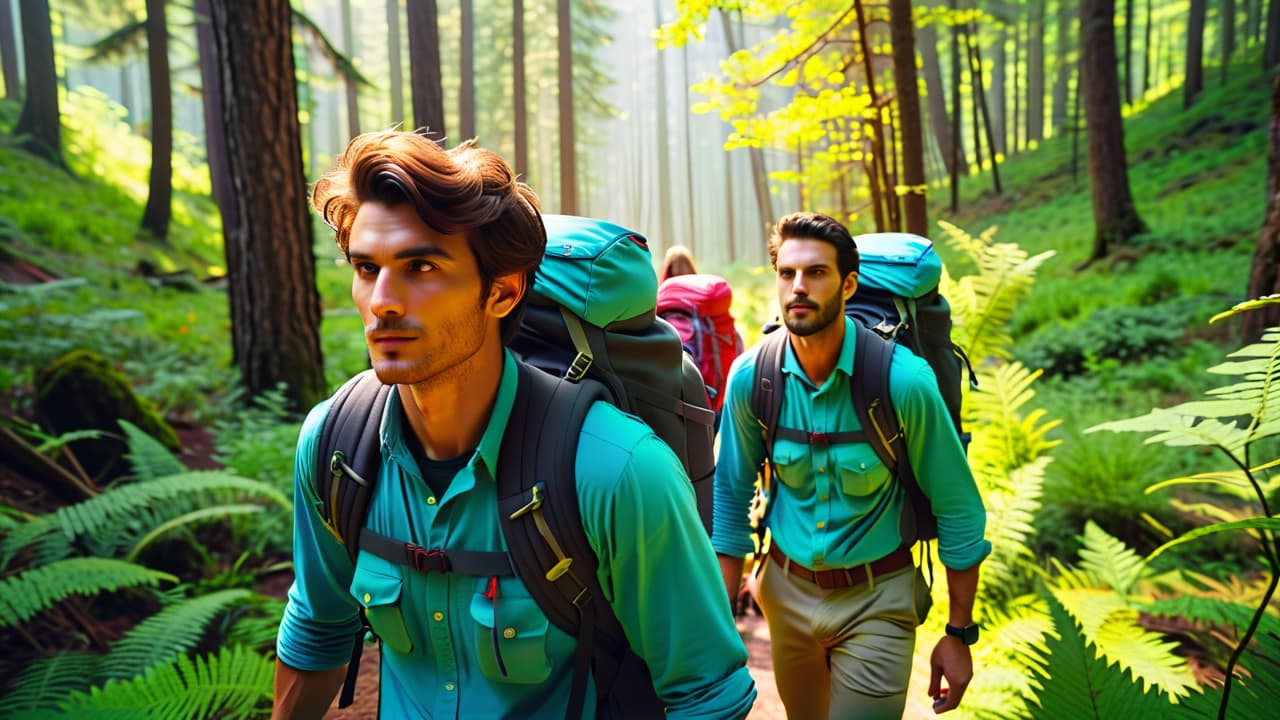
x=967, y=634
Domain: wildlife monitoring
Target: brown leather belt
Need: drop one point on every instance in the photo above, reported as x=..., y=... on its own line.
x=837, y=578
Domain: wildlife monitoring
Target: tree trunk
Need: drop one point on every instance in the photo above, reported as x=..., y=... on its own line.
x=996, y=101
x=518, y=90
x=1066, y=16
x=692, y=240
x=879, y=158
x=568, y=176
x=1194, y=83
x=353, y=88
x=1018, y=136
x=40, y=121
x=155, y=218
x=396, y=80
x=980, y=103
x=275, y=309
x=1228, y=20
x=1128, y=52
x=936, y=94
x=215, y=138
x=662, y=141
x=956, y=153
x=1252, y=21
x=1264, y=276
x=1035, y=72
x=1147, y=55
x=424, y=68
x=1115, y=217
x=466, y=72
x=1271, y=46
x=914, y=205
x=9, y=53
x=759, y=175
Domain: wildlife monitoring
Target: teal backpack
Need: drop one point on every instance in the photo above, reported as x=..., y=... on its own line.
x=897, y=302
x=589, y=333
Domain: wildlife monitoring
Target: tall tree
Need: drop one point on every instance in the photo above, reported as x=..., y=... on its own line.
x=568, y=144
x=1128, y=52
x=215, y=137
x=1264, y=275
x=424, y=68
x=275, y=309
x=662, y=138
x=1228, y=22
x=518, y=88
x=759, y=174
x=935, y=93
x=352, y=84
x=396, y=79
x=996, y=98
x=155, y=218
x=9, y=53
x=1066, y=18
x=1147, y=55
x=1271, y=46
x=466, y=72
x=1035, y=71
x=1114, y=215
x=1194, y=83
x=40, y=124
x=914, y=206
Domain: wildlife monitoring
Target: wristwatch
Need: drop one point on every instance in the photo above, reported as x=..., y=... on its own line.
x=967, y=634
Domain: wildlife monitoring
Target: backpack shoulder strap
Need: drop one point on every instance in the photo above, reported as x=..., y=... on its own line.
x=538, y=510
x=348, y=457
x=767, y=385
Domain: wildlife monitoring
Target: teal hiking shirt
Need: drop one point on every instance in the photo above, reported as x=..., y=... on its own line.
x=656, y=567
x=837, y=506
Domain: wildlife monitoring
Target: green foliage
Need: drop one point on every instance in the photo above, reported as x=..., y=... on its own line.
x=1128, y=335
x=256, y=439
x=173, y=631
x=44, y=682
x=258, y=626
x=234, y=683
x=147, y=457
x=34, y=591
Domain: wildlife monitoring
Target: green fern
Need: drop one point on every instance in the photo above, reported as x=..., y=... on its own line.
x=1109, y=560
x=47, y=681
x=258, y=627
x=235, y=683
x=36, y=590
x=173, y=631
x=148, y=457
x=120, y=516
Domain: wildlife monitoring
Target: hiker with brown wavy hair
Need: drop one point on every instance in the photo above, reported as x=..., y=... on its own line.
x=443, y=246
x=677, y=261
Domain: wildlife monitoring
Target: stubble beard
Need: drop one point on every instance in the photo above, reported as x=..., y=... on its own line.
x=456, y=343
x=826, y=314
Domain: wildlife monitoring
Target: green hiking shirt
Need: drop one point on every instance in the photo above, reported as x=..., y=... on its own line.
x=837, y=506
x=438, y=661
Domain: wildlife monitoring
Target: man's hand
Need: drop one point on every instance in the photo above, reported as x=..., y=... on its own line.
x=951, y=658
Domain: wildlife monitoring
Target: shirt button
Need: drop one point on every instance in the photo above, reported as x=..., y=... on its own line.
x=431, y=501
x=862, y=466
x=822, y=469
x=822, y=523
x=367, y=597
x=448, y=687
x=438, y=616
x=822, y=497
x=509, y=633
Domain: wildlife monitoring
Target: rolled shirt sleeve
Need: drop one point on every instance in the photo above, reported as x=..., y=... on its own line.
x=740, y=454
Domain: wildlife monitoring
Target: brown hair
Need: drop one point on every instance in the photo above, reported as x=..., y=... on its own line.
x=815, y=226
x=678, y=261
x=464, y=190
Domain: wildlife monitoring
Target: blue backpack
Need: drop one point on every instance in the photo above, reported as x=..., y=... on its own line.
x=897, y=302
x=589, y=333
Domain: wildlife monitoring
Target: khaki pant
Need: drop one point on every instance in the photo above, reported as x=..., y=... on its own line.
x=843, y=654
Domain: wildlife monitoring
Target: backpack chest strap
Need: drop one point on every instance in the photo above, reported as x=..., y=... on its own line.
x=811, y=438
x=463, y=562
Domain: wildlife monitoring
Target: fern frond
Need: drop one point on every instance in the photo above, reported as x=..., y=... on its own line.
x=148, y=457
x=173, y=631
x=217, y=511
x=235, y=683
x=1271, y=524
x=1234, y=482
x=1212, y=611
x=258, y=628
x=1076, y=683
x=36, y=590
x=1178, y=430
x=1246, y=305
x=1012, y=502
x=1005, y=437
x=1110, y=560
x=125, y=512
x=47, y=681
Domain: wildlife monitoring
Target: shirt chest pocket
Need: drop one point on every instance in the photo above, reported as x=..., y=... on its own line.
x=794, y=461
x=510, y=636
x=861, y=471
x=377, y=586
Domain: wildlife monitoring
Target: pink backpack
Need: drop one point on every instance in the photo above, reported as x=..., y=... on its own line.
x=698, y=307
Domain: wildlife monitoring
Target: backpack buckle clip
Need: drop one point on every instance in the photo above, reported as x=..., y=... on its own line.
x=819, y=439
x=578, y=368
x=424, y=560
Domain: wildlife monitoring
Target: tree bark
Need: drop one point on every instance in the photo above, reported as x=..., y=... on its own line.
x=40, y=121
x=1115, y=217
x=662, y=139
x=275, y=309
x=914, y=205
x=9, y=54
x=1264, y=276
x=518, y=90
x=395, y=82
x=352, y=87
x=1271, y=47
x=980, y=102
x=957, y=141
x=424, y=68
x=996, y=99
x=1066, y=16
x=215, y=138
x=1128, y=52
x=466, y=72
x=1035, y=72
x=1147, y=55
x=759, y=174
x=1194, y=83
x=568, y=142
x=155, y=217
x=936, y=94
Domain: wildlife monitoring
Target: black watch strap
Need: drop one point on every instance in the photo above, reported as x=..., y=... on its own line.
x=967, y=634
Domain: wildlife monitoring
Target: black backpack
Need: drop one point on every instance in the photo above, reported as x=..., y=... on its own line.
x=897, y=301
x=589, y=332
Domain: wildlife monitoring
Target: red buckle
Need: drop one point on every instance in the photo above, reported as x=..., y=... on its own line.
x=424, y=560
x=819, y=439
